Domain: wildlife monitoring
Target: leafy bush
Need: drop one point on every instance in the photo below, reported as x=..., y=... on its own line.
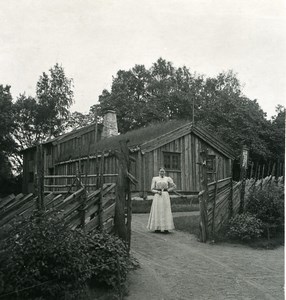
x=244, y=227
x=267, y=204
x=110, y=259
x=58, y=262
x=45, y=255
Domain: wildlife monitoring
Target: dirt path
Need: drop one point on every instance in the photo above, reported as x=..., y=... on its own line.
x=177, y=266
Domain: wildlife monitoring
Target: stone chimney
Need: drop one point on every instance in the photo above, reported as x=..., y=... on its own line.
x=109, y=125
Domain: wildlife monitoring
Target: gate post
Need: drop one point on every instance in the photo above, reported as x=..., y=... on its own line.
x=204, y=195
x=244, y=162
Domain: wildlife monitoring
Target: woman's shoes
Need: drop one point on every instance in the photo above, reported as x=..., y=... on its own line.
x=166, y=231
x=159, y=231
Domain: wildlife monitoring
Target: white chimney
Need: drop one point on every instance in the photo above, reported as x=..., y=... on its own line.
x=109, y=124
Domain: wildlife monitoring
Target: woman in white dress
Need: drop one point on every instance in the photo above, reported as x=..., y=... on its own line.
x=160, y=218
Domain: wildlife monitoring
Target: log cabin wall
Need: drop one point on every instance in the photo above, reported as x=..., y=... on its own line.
x=178, y=151
x=185, y=151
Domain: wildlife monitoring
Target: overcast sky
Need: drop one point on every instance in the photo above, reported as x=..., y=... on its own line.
x=93, y=39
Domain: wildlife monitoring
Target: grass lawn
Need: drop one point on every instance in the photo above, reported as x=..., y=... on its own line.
x=188, y=224
x=144, y=206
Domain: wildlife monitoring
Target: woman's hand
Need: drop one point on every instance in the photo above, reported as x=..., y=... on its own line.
x=160, y=192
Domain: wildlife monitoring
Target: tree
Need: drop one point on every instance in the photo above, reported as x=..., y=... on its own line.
x=277, y=135
x=6, y=120
x=140, y=96
x=54, y=96
x=7, y=144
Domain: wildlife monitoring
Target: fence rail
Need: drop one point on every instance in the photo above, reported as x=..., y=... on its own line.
x=223, y=201
x=80, y=209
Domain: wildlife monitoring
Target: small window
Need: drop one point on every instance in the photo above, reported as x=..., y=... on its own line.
x=172, y=161
x=211, y=164
x=211, y=167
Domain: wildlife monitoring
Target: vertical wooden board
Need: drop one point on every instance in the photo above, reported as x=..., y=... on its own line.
x=197, y=158
x=171, y=147
x=144, y=166
x=150, y=168
x=160, y=157
x=155, y=159
x=189, y=162
x=187, y=166
x=183, y=164
x=195, y=167
x=177, y=145
x=139, y=171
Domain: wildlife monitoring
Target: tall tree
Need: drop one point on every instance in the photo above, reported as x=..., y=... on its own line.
x=277, y=134
x=55, y=96
x=7, y=125
x=140, y=96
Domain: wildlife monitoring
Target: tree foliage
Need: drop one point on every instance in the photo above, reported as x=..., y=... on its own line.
x=30, y=120
x=55, y=96
x=140, y=96
x=7, y=125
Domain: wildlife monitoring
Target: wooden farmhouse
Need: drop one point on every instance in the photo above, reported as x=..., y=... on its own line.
x=175, y=145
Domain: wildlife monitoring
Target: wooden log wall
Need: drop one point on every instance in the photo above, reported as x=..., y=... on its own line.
x=187, y=178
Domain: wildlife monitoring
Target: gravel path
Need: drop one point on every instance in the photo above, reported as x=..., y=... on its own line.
x=177, y=266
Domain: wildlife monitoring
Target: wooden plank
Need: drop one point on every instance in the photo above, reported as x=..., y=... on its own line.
x=13, y=207
x=108, y=225
x=7, y=200
x=92, y=209
x=221, y=183
x=139, y=172
x=70, y=198
x=144, y=175
x=108, y=212
x=91, y=224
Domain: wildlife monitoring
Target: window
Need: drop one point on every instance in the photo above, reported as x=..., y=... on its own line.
x=211, y=167
x=211, y=164
x=172, y=161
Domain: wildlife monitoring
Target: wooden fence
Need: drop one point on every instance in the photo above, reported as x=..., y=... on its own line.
x=77, y=210
x=61, y=184
x=222, y=200
x=80, y=203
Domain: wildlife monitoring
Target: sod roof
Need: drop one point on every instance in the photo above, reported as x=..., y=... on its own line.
x=142, y=135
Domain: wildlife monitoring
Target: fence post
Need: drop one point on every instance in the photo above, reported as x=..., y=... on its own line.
x=40, y=177
x=214, y=200
x=244, y=162
x=251, y=170
x=119, y=218
x=100, y=210
x=203, y=197
x=230, y=203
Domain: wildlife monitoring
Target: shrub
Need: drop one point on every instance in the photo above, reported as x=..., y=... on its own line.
x=267, y=204
x=110, y=259
x=45, y=255
x=58, y=262
x=244, y=227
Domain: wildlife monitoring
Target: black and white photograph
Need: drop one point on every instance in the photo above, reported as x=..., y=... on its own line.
x=142, y=149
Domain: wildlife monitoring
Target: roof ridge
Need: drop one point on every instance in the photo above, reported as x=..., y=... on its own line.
x=167, y=133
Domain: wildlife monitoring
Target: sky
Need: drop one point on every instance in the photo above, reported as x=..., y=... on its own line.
x=93, y=39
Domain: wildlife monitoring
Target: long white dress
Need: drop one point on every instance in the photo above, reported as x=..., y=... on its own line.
x=160, y=217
